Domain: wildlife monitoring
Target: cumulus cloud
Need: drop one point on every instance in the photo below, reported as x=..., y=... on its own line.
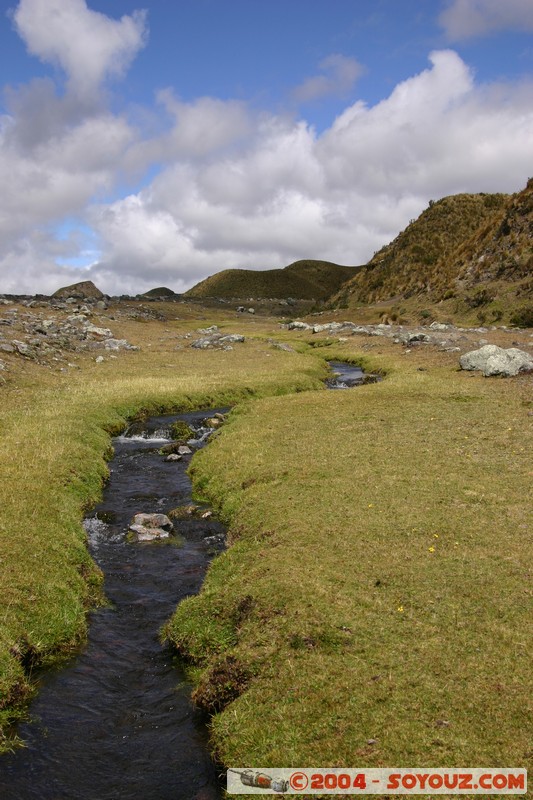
x=237, y=188
x=87, y=45
x=288, y=193
x=463, y=19
x=338, y=76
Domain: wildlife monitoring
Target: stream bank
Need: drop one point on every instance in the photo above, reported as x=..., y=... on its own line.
x=118, y=721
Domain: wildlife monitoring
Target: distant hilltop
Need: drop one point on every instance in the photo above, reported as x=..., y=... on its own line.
x=85, y=290
x=303, y=280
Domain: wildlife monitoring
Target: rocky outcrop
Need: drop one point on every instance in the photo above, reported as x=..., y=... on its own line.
x=494, y=360
x=216, y=340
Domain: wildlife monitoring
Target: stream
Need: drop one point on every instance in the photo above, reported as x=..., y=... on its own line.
x=117, y=721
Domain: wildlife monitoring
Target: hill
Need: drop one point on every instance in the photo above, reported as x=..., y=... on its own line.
x=160, y=292
x=469, y=255
x=84, y=290
x=414, y=262
x=303, y=280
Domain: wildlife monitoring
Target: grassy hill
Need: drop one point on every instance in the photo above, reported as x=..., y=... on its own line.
x=469, y=255
x=304, y=280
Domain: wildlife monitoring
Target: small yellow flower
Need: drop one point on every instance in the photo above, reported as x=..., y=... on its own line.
x=371, y=505
x=435, y=535
x=431, y=549
x=400, y=609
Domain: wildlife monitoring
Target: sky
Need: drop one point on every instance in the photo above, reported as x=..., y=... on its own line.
x=154, y=143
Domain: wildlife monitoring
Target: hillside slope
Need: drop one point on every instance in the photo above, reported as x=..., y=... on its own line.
x=419, y=259
x=306, y=280
x=467, y=257
x=500, y=251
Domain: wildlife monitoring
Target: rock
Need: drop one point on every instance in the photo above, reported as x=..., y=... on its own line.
x=296, y=325
x=94, y=330
x=440, y=326
x=241, y=309
x=173, y=457
x=184, y=450
x=99, y=359
x=231, y=337
x=3, y=365
x=208, y=331
x=6, y=347
x=119, y=344
x=24, y=349
x=417, y=337
x=217, y=340
x=494, y=360
x=213, y=422
x=148, y=527
x=251, y=310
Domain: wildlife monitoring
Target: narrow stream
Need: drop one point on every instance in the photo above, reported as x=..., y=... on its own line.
x=346, y=376
x=117, y=723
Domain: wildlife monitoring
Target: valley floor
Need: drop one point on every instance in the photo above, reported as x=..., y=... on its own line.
x=374, y=607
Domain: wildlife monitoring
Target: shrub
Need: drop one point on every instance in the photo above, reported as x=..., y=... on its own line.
x=523, y=317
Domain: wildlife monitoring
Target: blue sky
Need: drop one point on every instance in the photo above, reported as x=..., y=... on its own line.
x=155, y=143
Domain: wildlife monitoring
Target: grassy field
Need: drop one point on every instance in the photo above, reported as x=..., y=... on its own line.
x=375, y=605
x=55, y=429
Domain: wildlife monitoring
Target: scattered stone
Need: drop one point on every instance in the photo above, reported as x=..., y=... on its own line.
x=184, y=450
x=296, y=325
x=217, y=340
x=208, y=331
x=99, y=359
x=173, y=457
x=5, y=347
x=440, y=326
x=213, y=422
x=94, y=330
x=494, y=360
x=119, y=344
x=149, y=527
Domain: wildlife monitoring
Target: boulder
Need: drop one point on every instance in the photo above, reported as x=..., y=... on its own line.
x=148, y=527
x=494, y=360
x=296, y=325
x=94, y=330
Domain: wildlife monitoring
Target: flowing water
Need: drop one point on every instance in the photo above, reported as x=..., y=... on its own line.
x=345, y=376
x=117, y=722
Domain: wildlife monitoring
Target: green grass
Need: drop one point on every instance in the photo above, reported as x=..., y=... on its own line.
x=378, y=584
x=54, y=436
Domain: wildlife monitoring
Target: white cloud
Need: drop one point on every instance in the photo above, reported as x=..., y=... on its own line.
x=463, y=19
x=87, y=45
x=243, y=189
x=339, y=74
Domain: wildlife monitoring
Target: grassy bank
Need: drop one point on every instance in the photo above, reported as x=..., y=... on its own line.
x=54, y=437
x=375, y=605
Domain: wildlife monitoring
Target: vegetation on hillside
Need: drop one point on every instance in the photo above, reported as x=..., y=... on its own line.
x=467, y=257
x=416, y=260
x=305, y=280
